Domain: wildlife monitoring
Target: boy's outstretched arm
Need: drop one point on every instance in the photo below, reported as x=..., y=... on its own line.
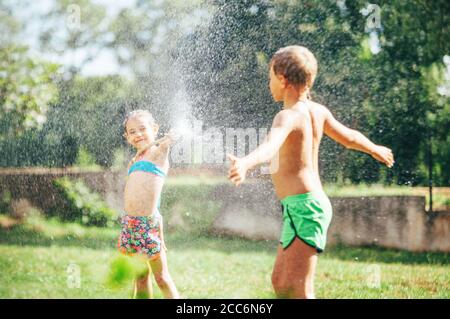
x=353, y=139
x=282, y=125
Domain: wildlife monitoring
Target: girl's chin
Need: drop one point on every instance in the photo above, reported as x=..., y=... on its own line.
x=142, y=144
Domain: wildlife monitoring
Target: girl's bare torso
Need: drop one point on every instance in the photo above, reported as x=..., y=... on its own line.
x=143, y=189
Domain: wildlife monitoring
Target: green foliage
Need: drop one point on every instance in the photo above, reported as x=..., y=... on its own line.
x=5, y=201
x=365, y=53
x=82, y=204
x=9, y=25
x=189, y=208
x=436, y=80
x=97, y=105
x=217, y=52
x=85, y=159
x=26, y=91
x=403, y=86
x=43, y=147
x=124, y=269
x=380, y=94
x=82, y=21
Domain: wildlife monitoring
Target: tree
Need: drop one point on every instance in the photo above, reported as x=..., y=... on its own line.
x=382, y=94
x=26, y=84
x=414, y=37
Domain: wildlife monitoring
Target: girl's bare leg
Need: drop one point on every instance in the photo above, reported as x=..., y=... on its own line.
x=143, y=288
x=162, y=277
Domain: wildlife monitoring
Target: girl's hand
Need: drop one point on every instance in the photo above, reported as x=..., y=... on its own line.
x=169, y=138
x=163, y=245
x=238, y=170
x=173, y=135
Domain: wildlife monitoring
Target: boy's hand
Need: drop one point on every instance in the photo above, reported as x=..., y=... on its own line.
x=384, y=155
x=238, y=170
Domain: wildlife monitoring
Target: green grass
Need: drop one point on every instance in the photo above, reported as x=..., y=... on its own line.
x=35, y=256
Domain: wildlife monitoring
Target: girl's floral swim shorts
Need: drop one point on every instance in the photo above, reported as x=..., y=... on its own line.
x=140, y=235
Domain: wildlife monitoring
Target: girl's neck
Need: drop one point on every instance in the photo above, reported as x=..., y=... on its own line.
x=140, y=153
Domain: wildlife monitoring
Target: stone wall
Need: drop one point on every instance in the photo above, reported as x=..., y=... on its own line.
x=389, y=221
x=252, y=210
x=35, y=185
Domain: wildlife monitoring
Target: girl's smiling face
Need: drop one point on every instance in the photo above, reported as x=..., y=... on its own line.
x=140, y=132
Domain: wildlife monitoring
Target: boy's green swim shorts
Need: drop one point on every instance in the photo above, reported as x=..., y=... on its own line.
x=306, y=216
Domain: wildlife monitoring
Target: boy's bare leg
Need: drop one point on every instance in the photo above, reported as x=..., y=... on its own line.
x=162, y=276
x=143, y=288
x=294, y=270
x=279, y=282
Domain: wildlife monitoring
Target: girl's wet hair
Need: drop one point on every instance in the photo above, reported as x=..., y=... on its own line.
x=138, y=113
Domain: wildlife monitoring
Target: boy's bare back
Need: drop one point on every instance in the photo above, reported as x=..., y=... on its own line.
x=298, y=160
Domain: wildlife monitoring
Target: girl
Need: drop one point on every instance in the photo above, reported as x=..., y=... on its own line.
x=142, y=227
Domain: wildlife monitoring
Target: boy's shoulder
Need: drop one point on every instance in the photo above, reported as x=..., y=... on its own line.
x=296, y=115
x=286, y=115
x=292, y=118
x=318, y=109
x=317, y=105
x=300, y=109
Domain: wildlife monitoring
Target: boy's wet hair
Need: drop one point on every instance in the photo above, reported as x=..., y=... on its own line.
x=297, y=64
x=137, y=113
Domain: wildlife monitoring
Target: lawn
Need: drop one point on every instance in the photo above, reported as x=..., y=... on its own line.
x=36, y=256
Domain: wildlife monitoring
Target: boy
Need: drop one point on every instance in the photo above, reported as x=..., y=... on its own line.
x=295, y=138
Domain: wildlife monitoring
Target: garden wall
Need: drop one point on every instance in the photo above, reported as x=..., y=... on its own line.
x=252, y=210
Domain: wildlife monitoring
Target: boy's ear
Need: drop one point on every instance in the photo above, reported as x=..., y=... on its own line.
x=282, y=80
x=308, y=91
x=155, y=128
